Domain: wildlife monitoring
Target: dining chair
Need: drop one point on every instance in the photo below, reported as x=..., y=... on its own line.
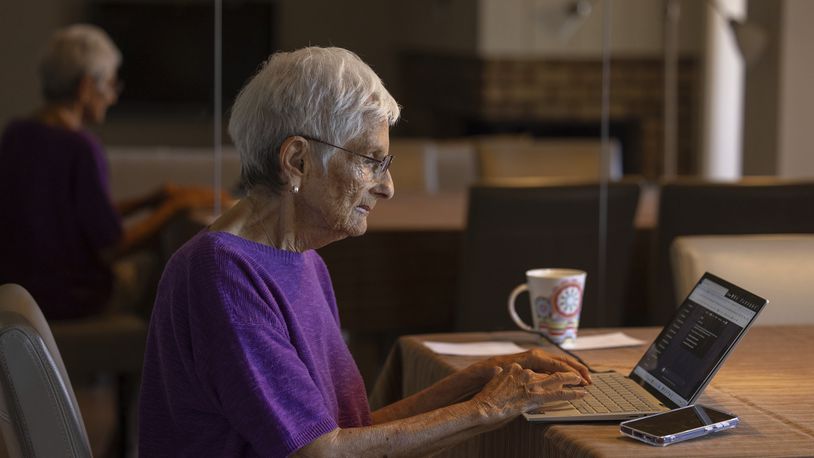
x=517, y=225
x=696, y=207
x=109, y=345
x=38, y=410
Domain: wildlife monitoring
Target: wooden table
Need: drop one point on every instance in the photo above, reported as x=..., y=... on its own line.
x=767, y=381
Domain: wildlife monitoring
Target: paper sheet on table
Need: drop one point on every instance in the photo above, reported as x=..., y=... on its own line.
x=614, y=339
x=474, y=348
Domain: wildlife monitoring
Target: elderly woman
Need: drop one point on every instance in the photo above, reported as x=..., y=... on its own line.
x=245, y=355
x=59, y=230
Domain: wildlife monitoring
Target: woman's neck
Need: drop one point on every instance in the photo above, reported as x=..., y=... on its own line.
x=270, y=219
x=64, y=115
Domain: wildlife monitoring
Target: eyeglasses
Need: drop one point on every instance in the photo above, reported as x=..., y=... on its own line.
x=382, y=165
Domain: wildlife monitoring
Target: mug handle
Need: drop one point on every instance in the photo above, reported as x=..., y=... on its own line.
x=521, y=288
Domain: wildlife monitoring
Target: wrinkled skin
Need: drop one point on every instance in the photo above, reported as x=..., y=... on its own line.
x=339, y=198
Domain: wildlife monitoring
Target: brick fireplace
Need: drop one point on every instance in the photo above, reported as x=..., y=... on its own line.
x=448, y=95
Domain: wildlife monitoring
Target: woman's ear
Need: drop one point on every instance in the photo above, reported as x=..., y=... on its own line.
x=293, y=159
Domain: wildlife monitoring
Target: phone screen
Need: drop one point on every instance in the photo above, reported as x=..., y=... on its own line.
x=679, y=420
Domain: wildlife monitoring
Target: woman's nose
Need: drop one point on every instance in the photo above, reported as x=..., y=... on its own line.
x=384, y=189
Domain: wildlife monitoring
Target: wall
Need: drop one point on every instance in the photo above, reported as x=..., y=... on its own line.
x=477, y=95
x=379, y=31
x=307, y=23
x=779, y=98
x=796, y=159
x=760, y=141
x=24, y=28
x=439, y=25
x=541, y=28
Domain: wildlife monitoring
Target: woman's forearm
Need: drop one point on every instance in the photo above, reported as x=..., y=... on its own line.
x=419, y=435
x=507, y=394
x=141, y=232
x=126, y=207
x=454, y=388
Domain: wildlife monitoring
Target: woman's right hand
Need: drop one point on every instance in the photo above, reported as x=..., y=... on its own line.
x=515, y=390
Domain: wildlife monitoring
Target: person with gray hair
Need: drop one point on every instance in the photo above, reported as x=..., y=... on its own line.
x=60, y=234
x=81, y=54
x=245, y=356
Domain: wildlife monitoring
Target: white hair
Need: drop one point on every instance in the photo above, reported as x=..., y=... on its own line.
x=326, y=93
x=72, y=53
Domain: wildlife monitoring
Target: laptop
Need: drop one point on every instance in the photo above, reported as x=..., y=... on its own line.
x=679, y=364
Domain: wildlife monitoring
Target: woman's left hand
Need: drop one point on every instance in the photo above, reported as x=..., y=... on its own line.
x=538, y=361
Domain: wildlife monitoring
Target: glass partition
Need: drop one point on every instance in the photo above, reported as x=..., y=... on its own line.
x=513, y=93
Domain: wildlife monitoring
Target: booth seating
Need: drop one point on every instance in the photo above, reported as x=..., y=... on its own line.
x=421, y=165
x=696, y=207
x=778, y=267
x=39, y=414
x=138, y=170
x=517, y=156
x=430, y=166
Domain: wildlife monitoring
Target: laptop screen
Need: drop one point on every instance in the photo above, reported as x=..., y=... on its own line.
x=691, y=348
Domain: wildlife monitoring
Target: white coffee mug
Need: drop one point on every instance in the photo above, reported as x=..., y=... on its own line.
x=556, y=302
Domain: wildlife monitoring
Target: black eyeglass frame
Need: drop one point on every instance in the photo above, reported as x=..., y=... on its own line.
x=382, y=165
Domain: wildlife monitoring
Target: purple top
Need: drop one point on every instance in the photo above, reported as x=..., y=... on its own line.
x=245, y=356
x=55, y=218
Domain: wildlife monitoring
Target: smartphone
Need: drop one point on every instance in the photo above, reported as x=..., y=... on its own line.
x=678, y=425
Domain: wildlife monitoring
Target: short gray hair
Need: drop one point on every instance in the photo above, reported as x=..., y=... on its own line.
x=72, y=53
x=327, y=93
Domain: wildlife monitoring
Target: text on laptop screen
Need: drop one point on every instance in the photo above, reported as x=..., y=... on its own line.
x=687, y=352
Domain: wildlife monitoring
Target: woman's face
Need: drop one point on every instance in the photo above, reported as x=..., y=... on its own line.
x=99, y=96
x=339, y=198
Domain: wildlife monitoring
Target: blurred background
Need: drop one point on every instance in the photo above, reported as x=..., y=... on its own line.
x=459, y=67
x=532, y=94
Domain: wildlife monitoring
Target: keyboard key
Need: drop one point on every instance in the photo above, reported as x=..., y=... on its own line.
x=613, y=393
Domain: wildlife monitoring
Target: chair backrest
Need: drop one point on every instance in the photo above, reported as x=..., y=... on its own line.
x=511, y=229
x=752, y=206
x=777, y=267
x=38, y=410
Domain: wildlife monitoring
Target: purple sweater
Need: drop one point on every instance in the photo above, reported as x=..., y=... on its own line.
x=245, y=356
x=55, y=218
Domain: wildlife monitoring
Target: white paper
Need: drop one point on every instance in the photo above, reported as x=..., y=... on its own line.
x=614, y=339
x=474, y=348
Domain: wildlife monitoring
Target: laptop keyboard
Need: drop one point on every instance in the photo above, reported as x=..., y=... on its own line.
x=612, y=393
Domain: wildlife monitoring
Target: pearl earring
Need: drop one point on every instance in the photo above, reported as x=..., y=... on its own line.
x=295, y=189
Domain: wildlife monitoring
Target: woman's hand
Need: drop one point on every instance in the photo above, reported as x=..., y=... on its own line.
x=466, y=383
x=515, y=390
x=538, y=361
x=509, y=392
